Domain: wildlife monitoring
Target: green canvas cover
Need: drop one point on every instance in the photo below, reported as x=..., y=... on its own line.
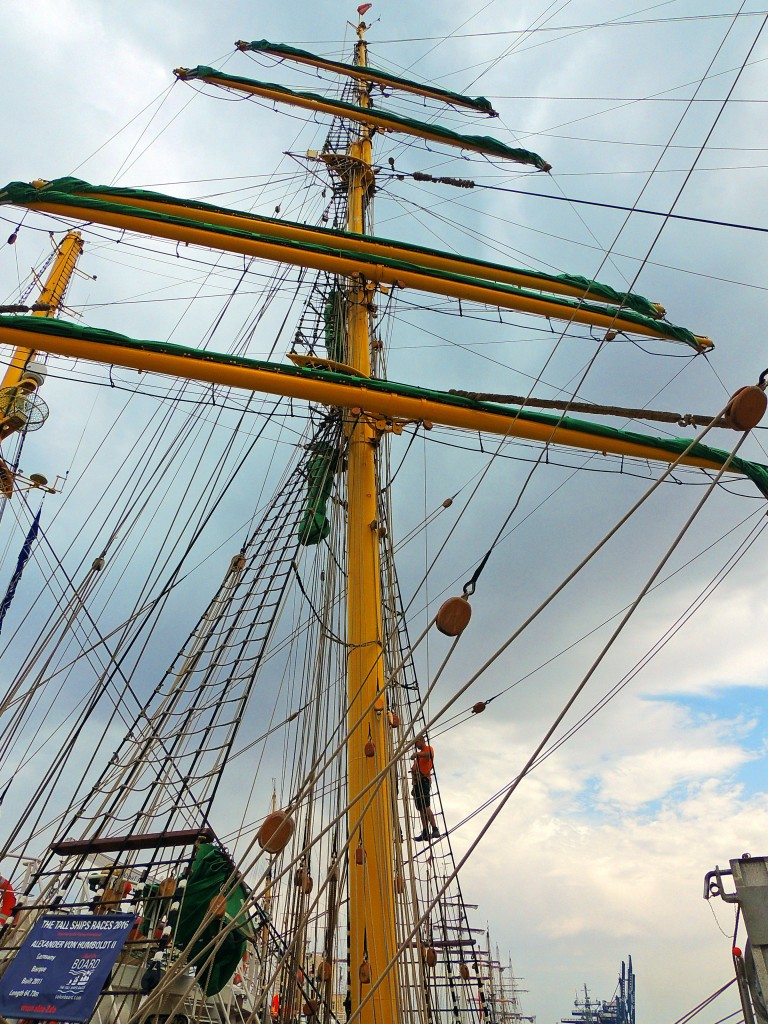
x=333, y=313
x=22, y=194
x=755, y=471
x=483, y=143
x=594, y=290
x=372, y=74
x=210, y=871
x=315, y=525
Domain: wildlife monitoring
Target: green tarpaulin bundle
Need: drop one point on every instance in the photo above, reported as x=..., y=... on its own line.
x=315, y=525
x=210, y=871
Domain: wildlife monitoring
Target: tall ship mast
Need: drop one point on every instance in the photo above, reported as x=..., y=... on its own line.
x=138, y=764
x=619, y=1009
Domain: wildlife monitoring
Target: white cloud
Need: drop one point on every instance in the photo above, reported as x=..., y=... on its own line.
x=694, y=665
x=604, y=852
x=641, y=778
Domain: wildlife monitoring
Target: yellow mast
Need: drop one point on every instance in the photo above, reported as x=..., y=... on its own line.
x=19, y=383
x=51, y=297
x=371, y=883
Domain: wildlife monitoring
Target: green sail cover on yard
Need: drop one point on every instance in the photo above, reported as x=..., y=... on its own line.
x=37, y=327
x=22, y=193
x=374, y=74
x=210, y=871
x=483, y=143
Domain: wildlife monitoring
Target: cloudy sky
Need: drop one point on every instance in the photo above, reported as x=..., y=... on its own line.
x=602, y=850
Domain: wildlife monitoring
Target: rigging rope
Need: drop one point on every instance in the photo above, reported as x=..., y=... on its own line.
x=551, y=730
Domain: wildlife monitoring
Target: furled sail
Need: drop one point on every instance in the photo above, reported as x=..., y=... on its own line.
x=315, y=524
x=367, y=74
x=573, y=285
x=380, y=397
x=371, y=116
x=337, y=259
x=21, y=563
x=209, y=875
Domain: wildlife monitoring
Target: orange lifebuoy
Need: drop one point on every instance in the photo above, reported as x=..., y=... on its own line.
x=7, y=901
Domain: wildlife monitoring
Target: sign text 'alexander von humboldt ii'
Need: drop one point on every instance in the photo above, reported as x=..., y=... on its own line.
x=62, y=966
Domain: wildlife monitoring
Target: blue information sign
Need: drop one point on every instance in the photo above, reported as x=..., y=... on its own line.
x=62, y=966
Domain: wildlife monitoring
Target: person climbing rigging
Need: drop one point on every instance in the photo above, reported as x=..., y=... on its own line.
x=421, y=776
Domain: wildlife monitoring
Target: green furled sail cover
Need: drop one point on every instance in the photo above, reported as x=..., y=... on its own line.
x=60, y=188
x=315, y=525
x=282, y=49
x=210, y=871
x=39, y=326
x=396, y=122
x=333, y=318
